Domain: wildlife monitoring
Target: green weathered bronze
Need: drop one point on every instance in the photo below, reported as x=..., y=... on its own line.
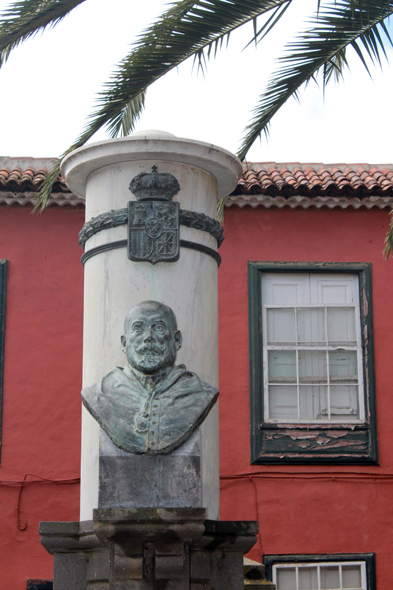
x=151, y=406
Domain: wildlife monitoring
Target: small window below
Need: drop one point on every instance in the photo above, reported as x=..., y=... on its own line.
x=311, y=363
x=319, y=572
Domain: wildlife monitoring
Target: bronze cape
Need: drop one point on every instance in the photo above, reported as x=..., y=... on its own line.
x=174, y=409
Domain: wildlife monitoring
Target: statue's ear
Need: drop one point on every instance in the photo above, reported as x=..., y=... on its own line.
x=123, y=343
x=178, y=339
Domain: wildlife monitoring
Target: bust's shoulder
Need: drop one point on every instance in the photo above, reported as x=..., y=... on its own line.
x=184, y=380
x=115, y=376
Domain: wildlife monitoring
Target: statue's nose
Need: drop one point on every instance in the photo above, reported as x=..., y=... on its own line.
x=148, y=335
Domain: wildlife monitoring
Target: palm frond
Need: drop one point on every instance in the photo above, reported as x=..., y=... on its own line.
x=185, y=29
x=181, y=32
x=388, y=251
x=26, y=18
x=43, y=195
x=268, y=25
x=125, y=122
x=220, y=209
x=340, y=24
x=334, y=68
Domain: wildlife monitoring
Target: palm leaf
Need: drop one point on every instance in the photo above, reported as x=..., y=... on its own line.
x=124, y=126
x=322, y=47
x=43, y=195
x=125, y=122
x=186, y=28
x=388, y=251
x=26, y=18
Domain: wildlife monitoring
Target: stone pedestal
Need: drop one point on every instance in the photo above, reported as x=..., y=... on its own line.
x=189, y=476
x=80, y=559
x=149, y=549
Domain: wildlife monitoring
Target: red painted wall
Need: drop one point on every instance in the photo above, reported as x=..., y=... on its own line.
x=298, y=513
x=305, y=509
x=42, y=378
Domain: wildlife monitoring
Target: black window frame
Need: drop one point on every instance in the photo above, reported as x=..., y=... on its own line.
x=368, y=558
x=279, y=443
x=3, y=291
x=39, y=584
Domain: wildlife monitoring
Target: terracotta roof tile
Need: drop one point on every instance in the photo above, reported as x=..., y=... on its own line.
x=20, y=179
x=285, y=180
x=27, y=179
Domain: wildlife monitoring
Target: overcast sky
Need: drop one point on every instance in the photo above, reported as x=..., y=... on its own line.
x=49, y=84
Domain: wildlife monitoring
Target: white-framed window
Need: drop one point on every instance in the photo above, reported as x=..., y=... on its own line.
x=312, y=348
x=344, y=575
x=312, y=376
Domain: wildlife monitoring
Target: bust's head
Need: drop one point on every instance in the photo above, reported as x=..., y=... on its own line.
x=151, y=338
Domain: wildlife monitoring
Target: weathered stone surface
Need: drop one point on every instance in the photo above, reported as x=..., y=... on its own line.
x=69, y=571
x=217, y=558
x=229, y=535
x=150, y=549
x=150, y=481
x=129, y=480
x=81, y=562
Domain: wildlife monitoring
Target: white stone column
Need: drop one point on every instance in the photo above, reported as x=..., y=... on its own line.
x=113, y=284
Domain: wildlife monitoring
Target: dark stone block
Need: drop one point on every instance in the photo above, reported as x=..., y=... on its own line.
x=144, y=515
x=98, y=566
x=150, y=548
x=232, y=527
x=144, y=481
x=69, y=571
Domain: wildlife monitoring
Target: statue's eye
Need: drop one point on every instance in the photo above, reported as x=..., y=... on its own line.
x=160, y=328
x=137, y=329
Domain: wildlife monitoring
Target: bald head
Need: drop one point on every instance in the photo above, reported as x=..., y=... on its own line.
x=150, y=306
x=151, y=338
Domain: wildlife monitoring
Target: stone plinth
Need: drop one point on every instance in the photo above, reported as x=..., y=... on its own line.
x=188, y=476
x=80, y=559
x=149, y=549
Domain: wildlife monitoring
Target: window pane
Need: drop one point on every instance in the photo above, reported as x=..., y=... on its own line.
x=308, y=578
x=312, y=367
x=282, y=402
x=311, y=326
x=281, y=326
x=351, y=576
x=282, y=366
x=313, y=403
x=338, y=291
x=330, y=578
x=343, y=366
x=286, y=579
x=341, y=326
x=344, y=402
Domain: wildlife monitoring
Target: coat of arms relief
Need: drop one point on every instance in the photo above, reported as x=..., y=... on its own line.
x=153, y=220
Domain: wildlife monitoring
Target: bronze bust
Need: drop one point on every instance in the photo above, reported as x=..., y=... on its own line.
x=151, y=406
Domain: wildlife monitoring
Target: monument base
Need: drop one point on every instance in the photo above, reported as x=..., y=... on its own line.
x=148, y=549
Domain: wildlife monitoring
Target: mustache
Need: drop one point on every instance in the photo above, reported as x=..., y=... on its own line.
x=151, y=347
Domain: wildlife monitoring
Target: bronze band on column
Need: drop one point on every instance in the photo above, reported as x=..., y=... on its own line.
x=123, y=244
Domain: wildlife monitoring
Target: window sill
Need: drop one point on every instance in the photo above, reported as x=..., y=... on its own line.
x=315, y=443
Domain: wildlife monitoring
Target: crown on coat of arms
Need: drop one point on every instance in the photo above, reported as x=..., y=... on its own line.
x=157, y=186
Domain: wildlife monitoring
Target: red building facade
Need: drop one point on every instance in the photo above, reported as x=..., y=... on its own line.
x=318, y=473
